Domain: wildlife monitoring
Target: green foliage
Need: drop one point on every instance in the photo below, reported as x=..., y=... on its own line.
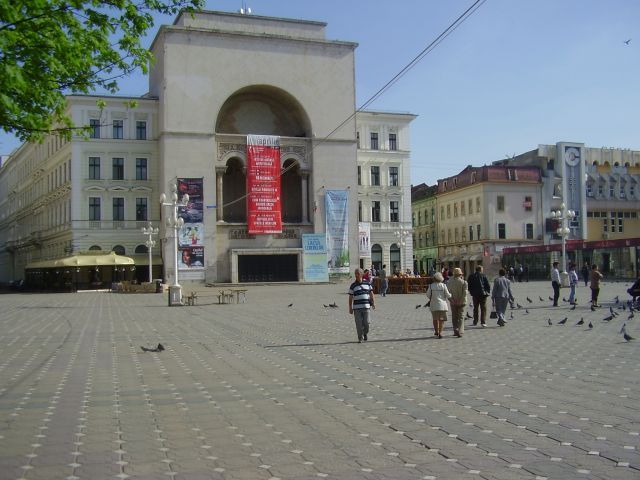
x=51, y=48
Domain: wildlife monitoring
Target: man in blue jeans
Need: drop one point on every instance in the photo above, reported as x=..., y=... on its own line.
x=555, y=283
x=360, y=301
x=384, y=281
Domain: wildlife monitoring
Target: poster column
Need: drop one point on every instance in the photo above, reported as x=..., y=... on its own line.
x=314, y=260
x=263, y=184
x=337, y=230
x=191, y=236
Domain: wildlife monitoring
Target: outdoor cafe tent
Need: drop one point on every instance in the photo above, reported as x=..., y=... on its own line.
x=91, y=259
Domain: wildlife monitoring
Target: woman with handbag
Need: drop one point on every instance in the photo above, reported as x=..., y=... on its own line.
x=438, y=295
x=501, y=296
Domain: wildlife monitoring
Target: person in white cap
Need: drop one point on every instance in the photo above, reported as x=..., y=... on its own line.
x=458, y=288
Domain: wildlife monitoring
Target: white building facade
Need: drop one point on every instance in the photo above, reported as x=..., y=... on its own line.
x=384, y=188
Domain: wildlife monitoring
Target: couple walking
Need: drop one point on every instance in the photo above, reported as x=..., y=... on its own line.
x=455, y=291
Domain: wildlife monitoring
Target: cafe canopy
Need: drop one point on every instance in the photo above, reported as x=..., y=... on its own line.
x=89, y=259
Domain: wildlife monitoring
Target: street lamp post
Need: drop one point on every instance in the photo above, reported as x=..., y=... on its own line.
x=565, y=216
x=150, y=231
x=402, y=234
x=175, y=223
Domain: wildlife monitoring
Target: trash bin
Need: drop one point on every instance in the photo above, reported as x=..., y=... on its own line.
x=564, y=279
x=158, y=286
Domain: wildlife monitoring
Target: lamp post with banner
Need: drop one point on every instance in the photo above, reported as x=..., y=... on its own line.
x=175, y=223
x=564, y=216
x=150, y=231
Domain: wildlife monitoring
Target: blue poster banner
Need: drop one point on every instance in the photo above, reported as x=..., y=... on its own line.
x=314, y=257
x=337, y=230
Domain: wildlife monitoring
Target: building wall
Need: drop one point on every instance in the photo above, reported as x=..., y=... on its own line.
x=388, y=233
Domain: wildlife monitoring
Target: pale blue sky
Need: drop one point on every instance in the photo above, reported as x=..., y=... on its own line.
x=517, y=73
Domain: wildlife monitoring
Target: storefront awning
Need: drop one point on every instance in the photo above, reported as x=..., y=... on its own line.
x=142, y=259
x=83, y=260
x=475, y=258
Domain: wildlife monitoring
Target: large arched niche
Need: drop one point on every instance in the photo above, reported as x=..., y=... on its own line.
x=263, y=110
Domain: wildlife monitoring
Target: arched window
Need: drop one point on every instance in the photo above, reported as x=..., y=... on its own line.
x=142, y=249
x=234, y=192
x=376, y=256
x=291, y=192
x=95, y=248
x=394, y=256
x=119, y=250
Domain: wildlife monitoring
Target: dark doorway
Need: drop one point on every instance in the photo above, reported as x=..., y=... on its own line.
x=267, y=268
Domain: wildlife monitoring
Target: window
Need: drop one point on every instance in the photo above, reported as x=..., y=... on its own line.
x=455, y=209
x=449, y=211
x=359, y=211
x=141, y=130
x=141, y=169
x=500, y=203
x=470, y=233
x=375, y=211
x=611, y=191
x=589, y=190
x=462, y=208
x=528, y=204
x=94, y=209
x=118, y=169
x=394, y=211
x=94, y=168
x=600, y=190
x=393, y=176
x=441, y=213
x=632, y=191
x=118, y=209
x=456, y=239
x=419, y=217
x=393, y=141
x=118, y=129
x=502, y=231
x=375, y=175
x=94, y=128
x=442, y=237
x=621, y=195
x=413, y=219
x=359, y=175
x=529, y=231
x=449, y=235
x=470, y=205
x=433, y=215
x=477, y=204
x=141, y=209
x=478, y=232
x=374, y=141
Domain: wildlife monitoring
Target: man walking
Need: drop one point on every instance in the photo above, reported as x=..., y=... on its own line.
x=360, y=301
x=384, y=282
x=479, y=289
x=555, y=283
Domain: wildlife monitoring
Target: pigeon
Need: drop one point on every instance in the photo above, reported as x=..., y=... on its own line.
x=631, y=315
x=159, y=348
x=563, y=321
x=325, y=306
x=627, y=42
x=518, y=305
x=590, y=325
x=614, y=314
x=333, y=305
x=607, y=319
x=617, y=299
x=593, y=309
x=624, y=328
x=542, y=299
x=573, y=308
x=526, y=310
x=529, y=300
x=290, y=305
x=627, y=337
x=418, y=306
x=581, y=322
x=511, y=317
x=624, y=307
x=427, y=304
x=549, y=322
x=551, y=298
x=564, y=299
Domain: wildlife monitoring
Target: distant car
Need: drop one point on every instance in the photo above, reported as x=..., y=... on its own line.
x=191, y=215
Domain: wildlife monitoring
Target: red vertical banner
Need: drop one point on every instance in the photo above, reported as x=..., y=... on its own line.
x=263, y=184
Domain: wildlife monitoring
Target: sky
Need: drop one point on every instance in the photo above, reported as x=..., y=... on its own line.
x=515, y=74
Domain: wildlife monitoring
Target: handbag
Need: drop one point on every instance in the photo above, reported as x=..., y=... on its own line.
x=493, y=314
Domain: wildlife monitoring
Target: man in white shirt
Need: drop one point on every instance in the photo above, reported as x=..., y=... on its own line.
x=555, y=283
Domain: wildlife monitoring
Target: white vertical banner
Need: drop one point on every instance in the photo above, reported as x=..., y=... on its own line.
x=364, y=239
x=337, y=230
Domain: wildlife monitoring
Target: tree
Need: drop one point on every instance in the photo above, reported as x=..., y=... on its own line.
x=51, y=48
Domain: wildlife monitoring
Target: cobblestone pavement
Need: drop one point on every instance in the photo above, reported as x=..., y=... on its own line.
x=264, y=390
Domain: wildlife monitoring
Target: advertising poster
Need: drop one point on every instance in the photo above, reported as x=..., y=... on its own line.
x=191, y=235
x=314, y=257
x=337, y=228
x=263, y=184
x=364, y=239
